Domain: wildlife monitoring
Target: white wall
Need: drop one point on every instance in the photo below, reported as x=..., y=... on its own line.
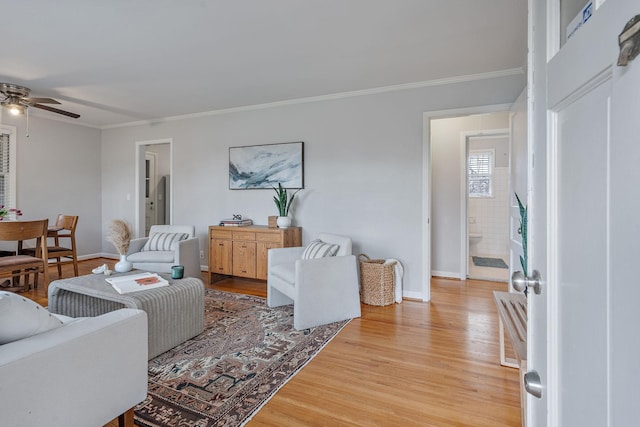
x=519, y=174
x=519, y=156
x=446, y=176
x=163, y=164
x=58, y=172
x=363, y=166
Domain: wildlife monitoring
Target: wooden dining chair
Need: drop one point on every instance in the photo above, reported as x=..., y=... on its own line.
x=63, y=231
x=20, y=265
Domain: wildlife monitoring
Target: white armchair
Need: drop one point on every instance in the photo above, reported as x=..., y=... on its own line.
x=84, y=373
x=184, y=252
x=322, y=290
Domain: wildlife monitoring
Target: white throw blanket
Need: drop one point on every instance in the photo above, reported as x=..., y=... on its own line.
x=398, y=271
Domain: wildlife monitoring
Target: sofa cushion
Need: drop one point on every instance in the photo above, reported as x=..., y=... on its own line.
x=163, y=241
x=21, y=318
x=318, y=249
x=152, y=256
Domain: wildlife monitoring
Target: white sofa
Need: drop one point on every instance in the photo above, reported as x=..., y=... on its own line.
x=322, y=290
x=185, y=252
x=84, y=373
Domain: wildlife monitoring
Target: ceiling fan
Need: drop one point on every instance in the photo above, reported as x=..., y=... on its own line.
x=16, y=100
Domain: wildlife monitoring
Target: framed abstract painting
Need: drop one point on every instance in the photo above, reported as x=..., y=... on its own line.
x=266, y=166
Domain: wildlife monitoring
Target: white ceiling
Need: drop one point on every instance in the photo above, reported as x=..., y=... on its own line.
x=122, y=61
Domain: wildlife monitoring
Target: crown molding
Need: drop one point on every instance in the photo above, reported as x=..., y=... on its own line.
x=340, y=95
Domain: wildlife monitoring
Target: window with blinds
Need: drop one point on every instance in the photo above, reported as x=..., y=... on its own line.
x=7, y=169
x=479, y=173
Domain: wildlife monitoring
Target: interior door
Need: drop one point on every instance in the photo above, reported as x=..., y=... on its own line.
x=584, y=156
x=150, y=182
x=537, y=407
x=624, y=228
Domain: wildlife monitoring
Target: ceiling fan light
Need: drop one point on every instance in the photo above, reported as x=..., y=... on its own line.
x=16, y=109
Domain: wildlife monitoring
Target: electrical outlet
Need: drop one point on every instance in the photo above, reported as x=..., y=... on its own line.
x=201, y=254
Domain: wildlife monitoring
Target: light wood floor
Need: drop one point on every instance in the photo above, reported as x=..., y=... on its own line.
x=409, y=364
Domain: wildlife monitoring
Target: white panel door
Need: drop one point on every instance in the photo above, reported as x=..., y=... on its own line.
x=586, y=184
x=580, y=272
x=624, y=254
x=537, y=407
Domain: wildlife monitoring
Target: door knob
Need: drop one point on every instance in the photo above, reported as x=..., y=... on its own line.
x=532, y=384
x=520, y=281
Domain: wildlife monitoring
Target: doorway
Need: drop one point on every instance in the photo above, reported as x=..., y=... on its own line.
x=150, y=185
x=153, y=184
x=447, y=184
x=486, y=180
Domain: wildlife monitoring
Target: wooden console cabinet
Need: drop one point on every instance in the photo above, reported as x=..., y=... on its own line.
x=242, y=251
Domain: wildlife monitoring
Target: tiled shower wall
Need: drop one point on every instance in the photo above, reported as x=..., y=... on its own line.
x=491, y=216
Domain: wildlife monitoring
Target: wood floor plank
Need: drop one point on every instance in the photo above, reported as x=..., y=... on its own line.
x=409, y=364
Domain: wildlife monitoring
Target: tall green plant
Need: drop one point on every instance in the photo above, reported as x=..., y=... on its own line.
x=523, y=233
x=282, y=202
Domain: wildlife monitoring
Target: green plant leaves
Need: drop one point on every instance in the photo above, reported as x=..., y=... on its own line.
x=283, y=200
x=523, y=232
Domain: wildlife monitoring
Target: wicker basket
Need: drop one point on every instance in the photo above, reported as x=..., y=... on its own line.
x=377, y=284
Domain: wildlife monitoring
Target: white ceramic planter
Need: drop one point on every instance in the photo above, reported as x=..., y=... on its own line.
x=284, y=222
x=123, y=265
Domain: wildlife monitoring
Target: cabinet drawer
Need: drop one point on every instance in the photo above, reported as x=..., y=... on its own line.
x=244, y=259
x=220, y=234
x=268, y=237
x=220, y=251
x=244, y=235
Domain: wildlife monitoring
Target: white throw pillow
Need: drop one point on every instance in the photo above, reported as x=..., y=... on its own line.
x=163, y=241
x=318, y=249
x=21, y=318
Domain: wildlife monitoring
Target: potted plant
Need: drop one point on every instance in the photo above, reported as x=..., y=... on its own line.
x=283, y=202
x=119, y=234
x=9, y=213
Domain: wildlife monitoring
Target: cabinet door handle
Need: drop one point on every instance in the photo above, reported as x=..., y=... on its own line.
x=220, y=244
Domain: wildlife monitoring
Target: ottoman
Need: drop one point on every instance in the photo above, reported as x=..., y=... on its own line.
x=175, y=312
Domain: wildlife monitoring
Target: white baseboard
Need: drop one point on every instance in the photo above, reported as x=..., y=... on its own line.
x=98, y=255
x=447, y=275
x=413, y=295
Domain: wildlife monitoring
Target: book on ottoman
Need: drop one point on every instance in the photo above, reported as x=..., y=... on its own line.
x=137, y=282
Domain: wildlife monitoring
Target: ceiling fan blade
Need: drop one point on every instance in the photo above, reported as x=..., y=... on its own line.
x=40, y=101
x=56, y=110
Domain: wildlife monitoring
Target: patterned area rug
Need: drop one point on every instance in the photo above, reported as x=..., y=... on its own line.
x=489, y=262
x=224, y=375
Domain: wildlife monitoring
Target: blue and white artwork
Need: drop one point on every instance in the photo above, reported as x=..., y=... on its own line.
x=265, y=166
